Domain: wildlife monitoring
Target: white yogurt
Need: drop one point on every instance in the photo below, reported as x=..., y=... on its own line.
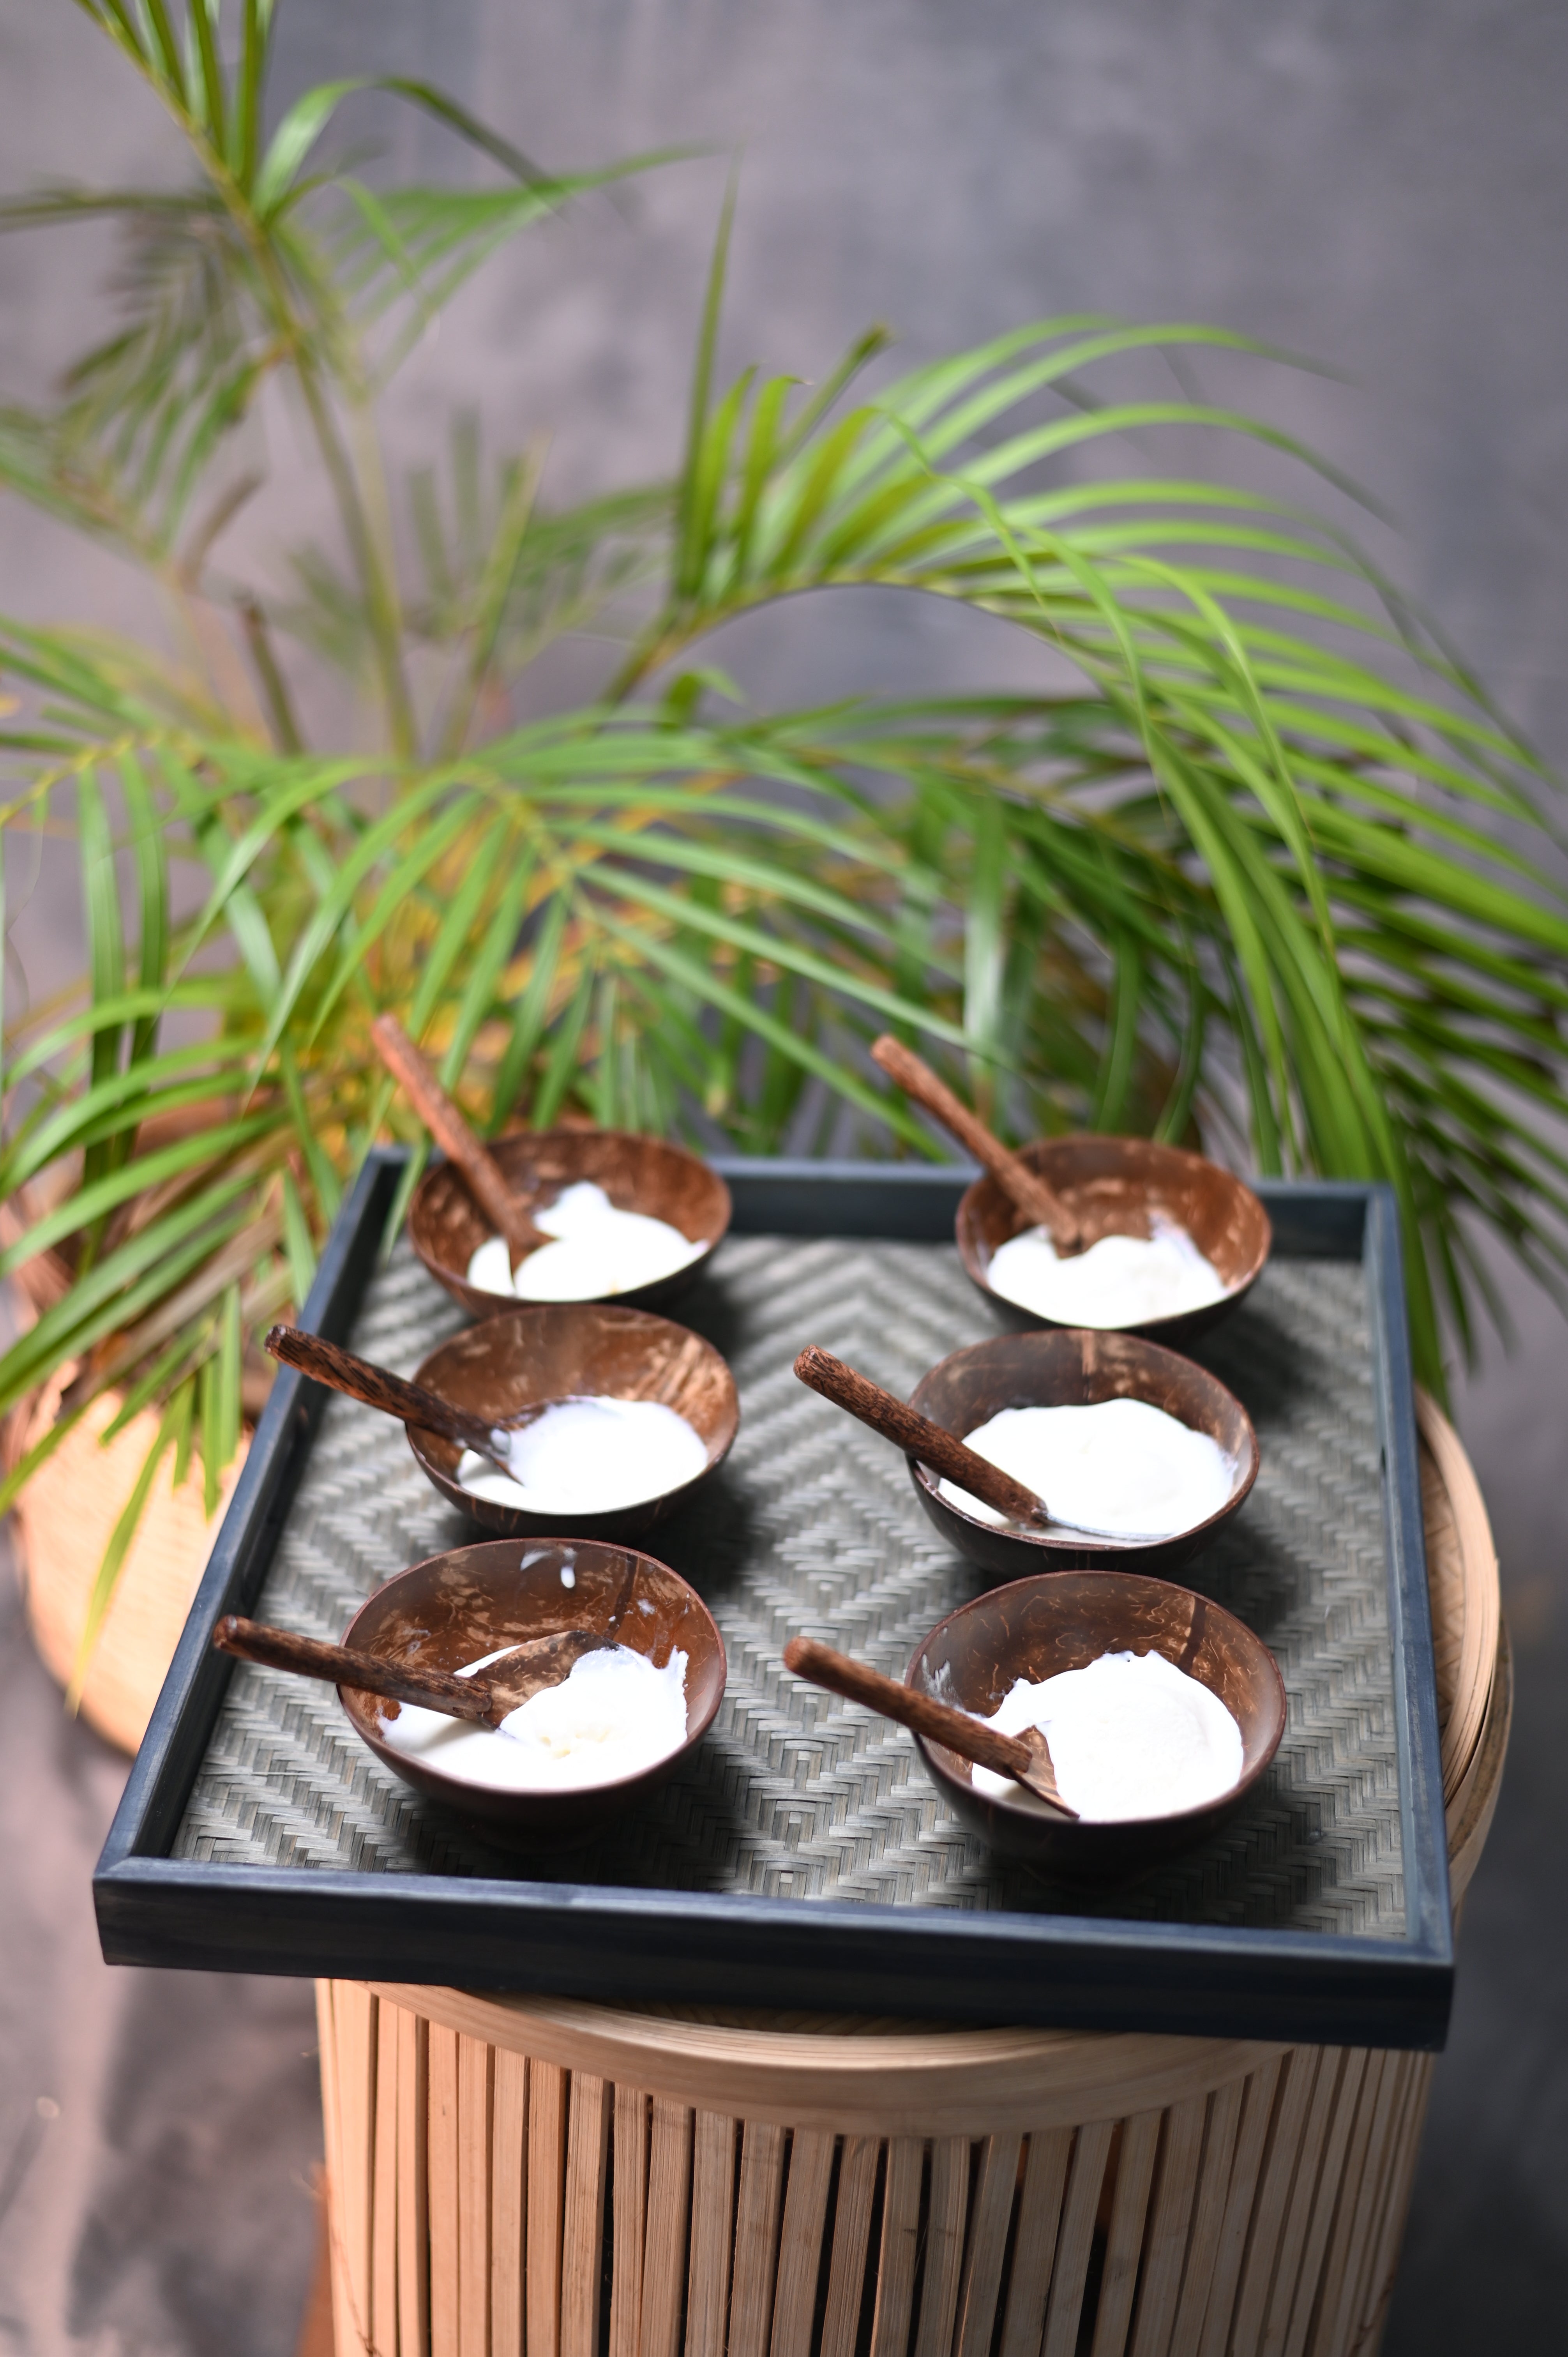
x=589, y=1457
x=597, y=1251
x=1121, y=1281
x=1120, y=1469
x=613, y=1716
x=1131, y=1736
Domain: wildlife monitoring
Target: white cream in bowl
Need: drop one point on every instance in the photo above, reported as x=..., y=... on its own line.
x=1131, y=1736
x=613, y=1716
x=1119, y=1282
x=595, y=1251
x=1121, y=1469
x=591, y=1456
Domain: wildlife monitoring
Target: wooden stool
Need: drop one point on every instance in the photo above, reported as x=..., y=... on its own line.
x=532, y=2177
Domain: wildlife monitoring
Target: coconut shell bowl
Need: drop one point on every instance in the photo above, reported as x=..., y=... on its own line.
x=447, y=1227
x=528, y=1356
x=1075, y=1367
x=1037, y=1628
x=456, y=1608
x=1116, y=1186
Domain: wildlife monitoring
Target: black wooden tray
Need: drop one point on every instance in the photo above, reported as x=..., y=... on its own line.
x=804, y=1861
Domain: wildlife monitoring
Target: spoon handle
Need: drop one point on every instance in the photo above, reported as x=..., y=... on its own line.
x=896, y=1421
x=452, y=1135
x=921, y=1712
x=377, y=1387
x=280, y=1648
x=1040, y=1204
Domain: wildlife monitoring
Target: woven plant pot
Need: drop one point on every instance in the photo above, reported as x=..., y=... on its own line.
x=537, y=2177
x=62, y=1523
x=66, y=1515
x=69, y=1509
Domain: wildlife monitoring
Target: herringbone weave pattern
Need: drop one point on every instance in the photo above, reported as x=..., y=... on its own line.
x=812, y=1526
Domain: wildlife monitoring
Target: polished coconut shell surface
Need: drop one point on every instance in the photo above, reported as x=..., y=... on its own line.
x=516, y=1364
x=454, y=1608
x=1114, y=1186
x=446, y=1226
x=1073, y=1367
x=1037, y=1628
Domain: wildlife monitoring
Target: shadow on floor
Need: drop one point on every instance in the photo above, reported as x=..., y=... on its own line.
x=159, y=2132
x=1485, y=2256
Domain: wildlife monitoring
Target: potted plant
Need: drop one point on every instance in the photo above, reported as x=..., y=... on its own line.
x=1264, y=867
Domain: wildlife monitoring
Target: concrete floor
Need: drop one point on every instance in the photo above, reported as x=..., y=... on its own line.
x=159, y=2132
x=1485, y=2263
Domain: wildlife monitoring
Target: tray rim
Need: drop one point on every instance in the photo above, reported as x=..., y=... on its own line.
x=724, y=1947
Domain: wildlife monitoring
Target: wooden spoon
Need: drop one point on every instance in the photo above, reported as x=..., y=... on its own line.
x=452, y=1134
x=504, y=1685
x=908, y=1429
x=1026, y=1757
x=377, y=1387
x=1040, y=1204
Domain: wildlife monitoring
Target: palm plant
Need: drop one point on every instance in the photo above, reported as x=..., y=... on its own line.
x=1264, y=867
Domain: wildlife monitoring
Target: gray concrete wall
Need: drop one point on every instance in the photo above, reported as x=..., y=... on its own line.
x=1384, y=188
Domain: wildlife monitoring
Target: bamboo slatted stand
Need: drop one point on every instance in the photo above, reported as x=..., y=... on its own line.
x=532, y=2177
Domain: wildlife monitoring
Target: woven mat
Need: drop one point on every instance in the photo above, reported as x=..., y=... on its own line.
x=812, y=1526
